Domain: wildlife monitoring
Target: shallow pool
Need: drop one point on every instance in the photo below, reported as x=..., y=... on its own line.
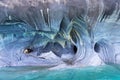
x=36, y=73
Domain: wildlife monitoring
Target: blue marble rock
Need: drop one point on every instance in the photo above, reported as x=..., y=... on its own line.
x=59, y=32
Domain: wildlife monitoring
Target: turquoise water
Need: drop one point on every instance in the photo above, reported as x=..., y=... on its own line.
x=36, y=73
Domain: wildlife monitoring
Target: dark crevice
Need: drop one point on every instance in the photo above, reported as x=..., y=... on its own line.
x=75, y=49
x=97, y=48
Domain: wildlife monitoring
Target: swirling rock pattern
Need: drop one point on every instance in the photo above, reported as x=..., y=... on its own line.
x=75, y=32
